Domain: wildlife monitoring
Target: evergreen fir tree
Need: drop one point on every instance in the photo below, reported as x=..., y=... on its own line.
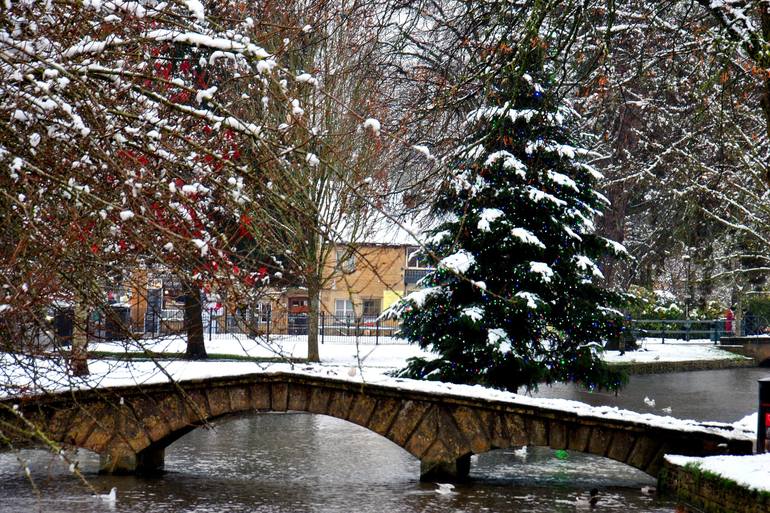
x=515, y=299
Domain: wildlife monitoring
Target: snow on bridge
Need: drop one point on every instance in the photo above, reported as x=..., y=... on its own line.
x=440, y=424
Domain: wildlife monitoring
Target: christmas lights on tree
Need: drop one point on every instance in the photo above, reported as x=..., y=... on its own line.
x=516, y=297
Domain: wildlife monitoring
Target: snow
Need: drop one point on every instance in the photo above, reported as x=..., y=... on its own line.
x=748, y=471
x=537, y=196
x=312, y=160
x=373, y=125
x=424, y=151
x=125, y=215
x=383, y=228
x=474, y=313
x=543, y=269
x=374, y=361
x=586, y=264
x=487, y=216
x=499, y=338
x=509, y=162
x=527, y=237
x=296, y=110
x=196, y=8
x=306, y=78
x=205, y=94
x=459, y=262
x=530, y=298
x=616, y=247
x=419, y=296
x=202, y=40
x=654, y=350
x=563, y=180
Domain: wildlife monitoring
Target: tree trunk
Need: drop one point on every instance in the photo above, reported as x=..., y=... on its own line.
x=313, y=290
x=193, y=322
x=79, y=351
x=765, y=63
x=765, y=100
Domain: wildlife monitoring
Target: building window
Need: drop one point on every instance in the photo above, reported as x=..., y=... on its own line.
x=343, y=308
x=371, y=308
x=416, y=259
x=346, y=261
x=298, y=305
x=262, y=312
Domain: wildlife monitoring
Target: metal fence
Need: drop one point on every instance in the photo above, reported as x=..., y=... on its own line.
x=116, y=324
x=677, y=329
x=286, y=326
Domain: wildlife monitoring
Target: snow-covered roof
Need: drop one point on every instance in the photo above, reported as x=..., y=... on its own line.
x=385, y=229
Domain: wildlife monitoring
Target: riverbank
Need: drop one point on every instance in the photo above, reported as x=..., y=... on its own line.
x=665, y=367
x=718, y=484
x=656, y=356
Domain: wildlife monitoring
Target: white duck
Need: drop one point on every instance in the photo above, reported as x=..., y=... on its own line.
x=445, y=488
x=587, y=502
x=109, y=497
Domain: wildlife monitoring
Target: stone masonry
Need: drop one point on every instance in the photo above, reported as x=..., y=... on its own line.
x=130, y=427
x=704, y=493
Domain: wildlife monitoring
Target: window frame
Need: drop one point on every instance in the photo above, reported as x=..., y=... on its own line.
x=347, y=313
x=346, y=261
x=411, y=252
x=377, y=302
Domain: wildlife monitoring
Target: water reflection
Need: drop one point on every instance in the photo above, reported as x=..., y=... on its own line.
x=297, y=462
x=722, y=395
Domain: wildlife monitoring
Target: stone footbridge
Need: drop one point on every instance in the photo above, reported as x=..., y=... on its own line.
x=130, y=427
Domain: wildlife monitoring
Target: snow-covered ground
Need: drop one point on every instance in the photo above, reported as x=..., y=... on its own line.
x=653, y=350
x=748, y=471
x=392, y=352
x=353, y=362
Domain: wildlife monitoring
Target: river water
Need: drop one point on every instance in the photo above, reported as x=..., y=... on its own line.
x=276, y=463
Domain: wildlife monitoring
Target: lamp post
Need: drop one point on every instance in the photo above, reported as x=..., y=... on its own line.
x=763, y=416
x=687, y=296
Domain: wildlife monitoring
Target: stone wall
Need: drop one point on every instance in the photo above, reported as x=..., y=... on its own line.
x=703, y=492
x=684, y=366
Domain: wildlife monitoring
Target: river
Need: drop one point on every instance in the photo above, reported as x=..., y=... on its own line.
x=276, y=463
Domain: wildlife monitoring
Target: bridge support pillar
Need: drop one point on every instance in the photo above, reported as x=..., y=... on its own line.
x=451, y=470
x=148, y=461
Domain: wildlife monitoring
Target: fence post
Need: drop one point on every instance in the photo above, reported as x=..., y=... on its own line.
x=211, y=321
x=763, y=416
x=377, y=332
x=323, y=326
x=663, y=334
x=687, y=331
x=269, y=316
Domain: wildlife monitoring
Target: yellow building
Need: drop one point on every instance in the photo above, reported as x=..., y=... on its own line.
x=364, y=280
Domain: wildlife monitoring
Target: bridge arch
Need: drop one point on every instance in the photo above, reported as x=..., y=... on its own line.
x=131, y=427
